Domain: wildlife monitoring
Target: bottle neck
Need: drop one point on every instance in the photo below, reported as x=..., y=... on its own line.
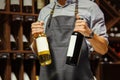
x=36, y=35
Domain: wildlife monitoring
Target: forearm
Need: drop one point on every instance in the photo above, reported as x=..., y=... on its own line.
x=99, y=44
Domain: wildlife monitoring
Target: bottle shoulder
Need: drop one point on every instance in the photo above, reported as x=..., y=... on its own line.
x=77, y=34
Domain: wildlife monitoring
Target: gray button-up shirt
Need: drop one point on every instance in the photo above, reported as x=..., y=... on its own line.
x=87, y=10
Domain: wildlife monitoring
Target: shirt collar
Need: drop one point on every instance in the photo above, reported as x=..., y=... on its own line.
x=67, y=2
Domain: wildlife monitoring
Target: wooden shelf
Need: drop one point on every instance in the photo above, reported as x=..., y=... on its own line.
x=17, y=51
x=18, y=13
x=114, y=39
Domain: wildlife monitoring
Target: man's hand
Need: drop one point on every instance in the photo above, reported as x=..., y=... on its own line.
x=37, y=27
x=98, y=43
x=82, y=27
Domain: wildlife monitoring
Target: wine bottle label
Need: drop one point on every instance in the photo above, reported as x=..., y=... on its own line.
x=24, y=39
x=12, y=39
x=27, y=3
x=72, y=42
x=2, y=4
x=0, y=78
x=40, y=4
x=26, y=77
x=13, y=77
x=16, y=2
x=42, y=44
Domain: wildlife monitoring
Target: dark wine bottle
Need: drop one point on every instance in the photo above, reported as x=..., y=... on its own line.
x=0, y=78
x=15, y=5
x=26, y=45
x=13, y=76
x=74, y=49
x=1, y=45
x=13, y=42
x=26, y=76
x=37, y=69
x=39, y=5
x=27, y=6
x=2, y=5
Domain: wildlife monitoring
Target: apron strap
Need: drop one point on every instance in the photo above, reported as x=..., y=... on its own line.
x=76, y=8
x=51, y=14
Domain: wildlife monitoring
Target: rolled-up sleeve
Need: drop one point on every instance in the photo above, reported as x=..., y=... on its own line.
x=97, y=23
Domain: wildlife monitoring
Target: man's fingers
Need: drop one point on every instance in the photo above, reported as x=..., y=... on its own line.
x=40, y=22
x=77, y=17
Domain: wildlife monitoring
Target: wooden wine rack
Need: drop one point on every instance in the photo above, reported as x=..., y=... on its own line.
x=18, y=61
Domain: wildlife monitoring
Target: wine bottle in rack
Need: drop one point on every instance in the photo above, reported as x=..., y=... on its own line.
x=26, y=77
x=1, y=44
x=25, y=43
x=39, y=5
x=111, y=32
x=13, y=42
x=115, y=30
x=74, y=49
x=37, y=65
x=15, y=5
x=27, y=6
x=2, y=5
x=44, y=55
x=13, y=76
x=1, y=78
x=1, y=36
x=107, y=59
x=117, y=47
